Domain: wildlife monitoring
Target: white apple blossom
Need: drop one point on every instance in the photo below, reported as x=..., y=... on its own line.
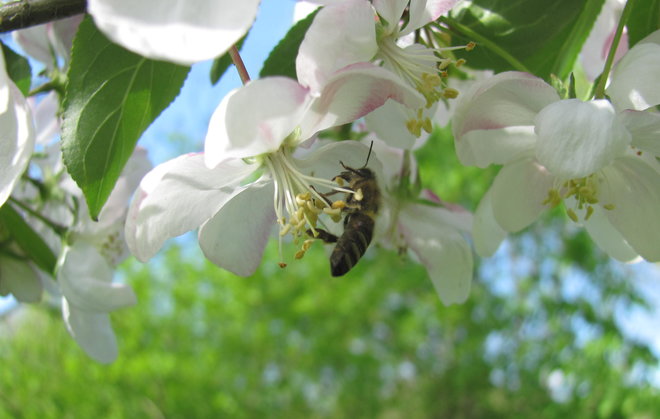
x=174, y=30
x=598, y=157
x=49, y=41
x=419, y=224
x=248, y=177
x=86, y=265
x=597, y=46
x=17, y=136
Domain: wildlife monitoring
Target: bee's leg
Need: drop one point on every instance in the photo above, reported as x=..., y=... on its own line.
x=323, y=235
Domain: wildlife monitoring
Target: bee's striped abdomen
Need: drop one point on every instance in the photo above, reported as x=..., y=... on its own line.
x=358, y=230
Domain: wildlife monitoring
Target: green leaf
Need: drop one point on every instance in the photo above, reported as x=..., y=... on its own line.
x=112, y=96
x=27, y=239
x=544, y=37
x=18, y=69
x=222, y=63
x=282, y=59
x=644, y=19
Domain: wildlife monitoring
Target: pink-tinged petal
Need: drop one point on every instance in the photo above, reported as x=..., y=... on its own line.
x=178, y=196
x=34, y=41
x=425, y=11
x=354, y=92
x=173, y=30
x=632, y=187
x=482, y=148
x=518, y=192
x=255, y=119
x=18, y=278
x=92, y=332
x=608, y=238
x=507, y=102
x=486, y=232
x=342, y=33
x=597, y=46
x=390, y=10
x=85, y=279
x=236, y=236
x=578, y=138
x=444, y=252
x=635, y=80
x=16, y=139
x=644, y=128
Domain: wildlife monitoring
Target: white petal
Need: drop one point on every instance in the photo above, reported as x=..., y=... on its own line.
x=235, y=237
x=342, y=33
x=174, y=30
x=17, y=136
x=92, y=331
x=578, y=138
x=441, y=249
x=633, y=187
x=354, y=92
x=46, y=121
x=608, y=238
x=34, y=41
x=636, y=78
x=506, y=102
x=644, y=128
x=518, y=192
x=325, y=162
x=85, y=279
x=486, y=233
x=391, y=10
x=178, y=196
x=18, y=278
x=425, y=11
x=389, y=123
x=482, y=148
x=255, y=119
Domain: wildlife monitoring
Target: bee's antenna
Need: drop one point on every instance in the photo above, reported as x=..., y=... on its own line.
x=369, y=154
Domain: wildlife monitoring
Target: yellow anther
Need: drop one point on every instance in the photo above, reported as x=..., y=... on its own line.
x=590, y=210
x=282, y=265
x=450, y=93
x=339, y=181
x=609, y=207
x=339, y=204
x=571, y=214
x=299, y=254
x=470, y=46
x=312, y=207
x=427, y=125
x=460, y=62
x=358, y=195
x=284, y=230
x=308, y=243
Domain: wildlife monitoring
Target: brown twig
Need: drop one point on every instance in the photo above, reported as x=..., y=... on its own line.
x=238, y=62
x=25, y=13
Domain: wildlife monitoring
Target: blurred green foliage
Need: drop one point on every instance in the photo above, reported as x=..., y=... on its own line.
x=295, y=342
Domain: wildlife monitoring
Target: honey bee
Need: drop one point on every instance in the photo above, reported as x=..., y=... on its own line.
x=359, y=222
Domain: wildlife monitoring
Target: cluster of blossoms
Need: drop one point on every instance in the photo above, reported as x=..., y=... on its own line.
x=379, y=67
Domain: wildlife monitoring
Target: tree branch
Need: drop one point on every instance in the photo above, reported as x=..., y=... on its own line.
x=25, y=13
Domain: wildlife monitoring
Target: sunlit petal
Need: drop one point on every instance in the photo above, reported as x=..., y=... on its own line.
x=255, y=119
x=178, y=196
x=174, y=30
x=425, y=11
x=644, y=128
x=608, y=238
x=342, y=33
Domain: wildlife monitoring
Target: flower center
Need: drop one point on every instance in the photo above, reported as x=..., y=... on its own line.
x=297, y=201
x=585, y=192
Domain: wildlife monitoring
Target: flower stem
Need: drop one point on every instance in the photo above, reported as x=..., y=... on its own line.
x=58, y=229
x=599, y=90
x=481, y=40
x=238, y=62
